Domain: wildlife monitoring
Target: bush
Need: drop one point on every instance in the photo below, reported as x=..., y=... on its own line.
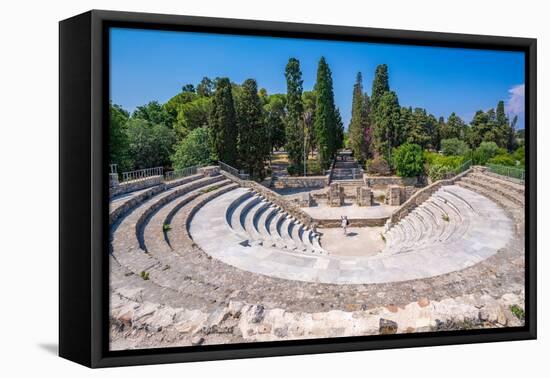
x=454, y=147
x=378, y=167
x=195, y=149
x=433, y=158
x=484, y=152
x=519, y=155
x=506, y=159
x=408, y=160
x=439, y=172
x=292, y=170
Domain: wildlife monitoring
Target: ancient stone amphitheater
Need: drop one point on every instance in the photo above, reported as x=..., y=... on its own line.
x=211, y=259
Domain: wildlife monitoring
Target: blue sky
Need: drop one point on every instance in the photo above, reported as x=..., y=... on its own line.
x=151, y=65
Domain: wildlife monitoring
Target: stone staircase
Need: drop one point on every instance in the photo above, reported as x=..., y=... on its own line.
x=346, y=168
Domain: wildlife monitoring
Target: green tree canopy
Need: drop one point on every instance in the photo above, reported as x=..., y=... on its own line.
x=326, y=119
x=192, y=115
x=408, y=160
x=149, y=145
x=118, y=138
x=275, y=116
x=223, y=123
x=253, y=143
x=380, y=85
x=359, y=122
x=454, y=147
x=206, y=87
x=193, y=150
x=153, y=113
x=295, y=112
x=388, y=130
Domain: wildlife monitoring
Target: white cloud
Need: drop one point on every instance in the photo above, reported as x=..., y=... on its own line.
x=516, y=99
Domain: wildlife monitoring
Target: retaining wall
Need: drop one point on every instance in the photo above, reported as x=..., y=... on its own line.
x=423, y=194
x=284, y=182
x=381, y=182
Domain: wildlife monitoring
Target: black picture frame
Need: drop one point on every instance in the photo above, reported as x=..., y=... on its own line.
x=83, y=195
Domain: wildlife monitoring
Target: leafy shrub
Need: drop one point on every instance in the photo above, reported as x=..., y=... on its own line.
x=433, y=158
x=314, y=168
x=408, y=160
x=518, y=312
x=484, y=152
x=144, y=275
x=438, y=172
x=166, y=227
x=454, y=147
x=378, y=167
x=292, y=170
x=503, y=160
x=519, y=155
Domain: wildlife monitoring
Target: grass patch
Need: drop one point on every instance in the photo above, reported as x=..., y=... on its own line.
x=166, y=227
x=518, y=312
x=209, y=189
x=144, y=275
x=445, y=217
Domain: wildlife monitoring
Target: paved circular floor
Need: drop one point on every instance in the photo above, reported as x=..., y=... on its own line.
x=488, y=229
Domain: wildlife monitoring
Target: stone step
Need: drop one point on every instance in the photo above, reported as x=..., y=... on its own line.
x=512, y=195
x=153, y=233
x=510, y=186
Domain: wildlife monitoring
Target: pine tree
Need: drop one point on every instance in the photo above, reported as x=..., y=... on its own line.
x=359, y=120
x=326, y=128
x=223, y=123
x=295, y=109
x=253, y=141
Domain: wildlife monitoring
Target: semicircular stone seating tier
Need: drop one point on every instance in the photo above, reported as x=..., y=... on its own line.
x=452, y=230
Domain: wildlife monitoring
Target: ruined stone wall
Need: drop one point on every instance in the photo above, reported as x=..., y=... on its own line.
x=285, y=182
x=380, y=182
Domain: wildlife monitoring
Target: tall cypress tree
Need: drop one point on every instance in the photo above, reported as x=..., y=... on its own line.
x=295, y=111
x=223, y=123
x=380, y=85
x=253, y=141
x=326, y=128
x=359, y=120
x=388, y=131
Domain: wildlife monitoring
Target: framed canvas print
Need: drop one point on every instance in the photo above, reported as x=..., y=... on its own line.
x=233, y=188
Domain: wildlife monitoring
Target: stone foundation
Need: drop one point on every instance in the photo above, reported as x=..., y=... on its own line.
x=393, y=195
x=285, y=182
x=336, y=195
x=381, y=182
x=364, y=196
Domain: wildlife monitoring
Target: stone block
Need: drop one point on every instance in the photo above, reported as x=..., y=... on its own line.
x=212, y=170
x=393, y=195
x=364, y=196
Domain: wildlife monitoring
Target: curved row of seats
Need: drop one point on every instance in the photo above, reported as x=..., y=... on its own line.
x=144, y=254
x=444, y=218
x=261, y=222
